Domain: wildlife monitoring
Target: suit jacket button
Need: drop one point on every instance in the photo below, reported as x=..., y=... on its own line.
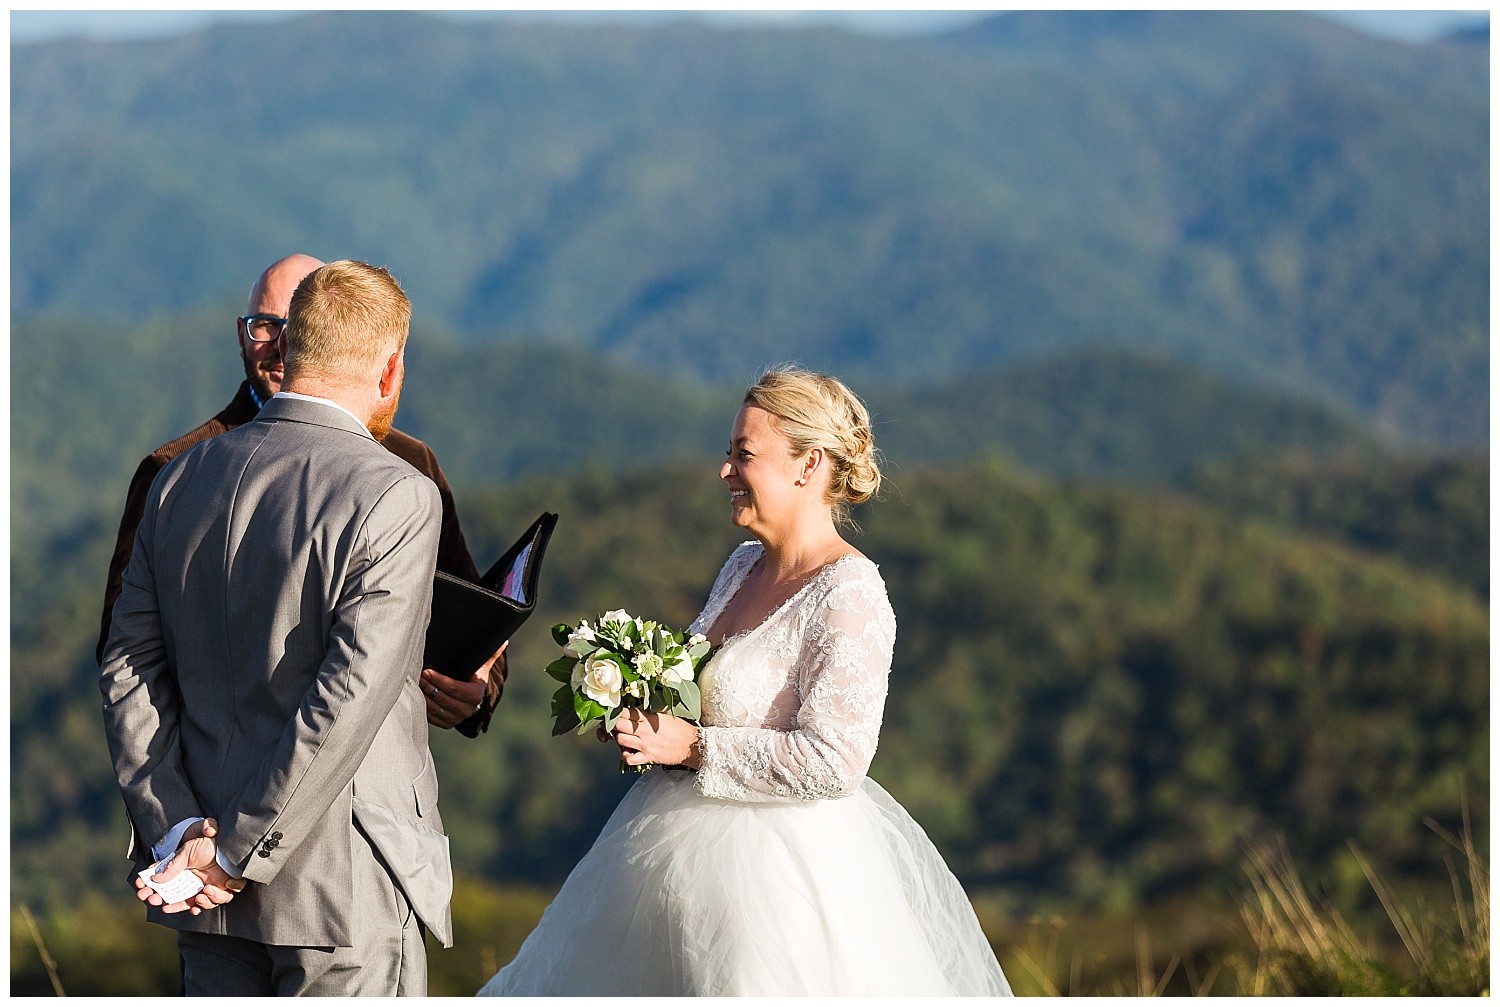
x=263, y=853
x=276, y=835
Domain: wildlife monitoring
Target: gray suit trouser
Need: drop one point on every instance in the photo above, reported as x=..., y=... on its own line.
x=388, y=957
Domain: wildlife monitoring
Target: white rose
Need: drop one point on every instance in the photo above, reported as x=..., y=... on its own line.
x=600, y=681
x=617, y=615
x=679, y=672
x=580, y=635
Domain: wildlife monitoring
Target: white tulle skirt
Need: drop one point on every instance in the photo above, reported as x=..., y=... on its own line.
x=684, y=895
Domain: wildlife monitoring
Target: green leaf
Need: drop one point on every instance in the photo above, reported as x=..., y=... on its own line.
x=562, y=669
x=611, y=717
x=586, y=708
x=561, y=632
x=691, y=698
x=562, y=709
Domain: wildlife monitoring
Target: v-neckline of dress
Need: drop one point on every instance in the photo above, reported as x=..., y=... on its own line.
x=769, y=616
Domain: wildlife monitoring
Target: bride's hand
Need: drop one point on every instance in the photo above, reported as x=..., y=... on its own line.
x=656, y=738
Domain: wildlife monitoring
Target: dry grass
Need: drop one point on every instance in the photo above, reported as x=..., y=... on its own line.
x=1304, y=947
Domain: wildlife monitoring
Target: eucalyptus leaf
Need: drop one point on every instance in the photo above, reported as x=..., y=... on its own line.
x=691, y=699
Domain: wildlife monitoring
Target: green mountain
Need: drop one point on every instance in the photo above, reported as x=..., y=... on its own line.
x=1434, y=513
x=1268, y=195
x=1104, y=412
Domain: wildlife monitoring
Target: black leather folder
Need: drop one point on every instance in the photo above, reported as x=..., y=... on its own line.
x=470, y=621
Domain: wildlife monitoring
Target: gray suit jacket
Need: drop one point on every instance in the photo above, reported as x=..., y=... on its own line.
x=262, y=669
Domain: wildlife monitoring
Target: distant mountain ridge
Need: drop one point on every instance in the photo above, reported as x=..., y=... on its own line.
x=1108, y=413
x=1268, y=195
x=495, y=413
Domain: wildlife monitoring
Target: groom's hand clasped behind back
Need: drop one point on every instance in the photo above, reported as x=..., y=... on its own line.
x=197, y=854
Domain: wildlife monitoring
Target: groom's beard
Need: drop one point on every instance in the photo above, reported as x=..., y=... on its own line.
x=380, y=422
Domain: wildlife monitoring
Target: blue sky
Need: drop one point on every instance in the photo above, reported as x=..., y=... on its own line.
x=31, y=26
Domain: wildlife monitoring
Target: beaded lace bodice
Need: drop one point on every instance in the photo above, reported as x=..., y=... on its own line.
x=792, y=707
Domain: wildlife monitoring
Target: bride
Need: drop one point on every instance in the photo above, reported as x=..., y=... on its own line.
x=776, y=866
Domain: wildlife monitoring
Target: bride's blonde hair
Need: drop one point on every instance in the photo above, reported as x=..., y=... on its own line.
x=819, y=411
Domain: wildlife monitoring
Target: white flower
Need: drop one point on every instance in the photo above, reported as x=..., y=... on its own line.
x=648, y=665
x=636, y=689
x=615, y=615
x=601, y=680
x=583, y=634
x=694, y=640
x=678, y=672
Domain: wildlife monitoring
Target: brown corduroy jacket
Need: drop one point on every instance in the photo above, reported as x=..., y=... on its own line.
x=453, y=551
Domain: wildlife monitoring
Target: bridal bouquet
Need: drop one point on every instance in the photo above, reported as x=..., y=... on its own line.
x=622, y=663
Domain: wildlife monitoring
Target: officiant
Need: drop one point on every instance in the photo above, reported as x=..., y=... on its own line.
x=464, y=704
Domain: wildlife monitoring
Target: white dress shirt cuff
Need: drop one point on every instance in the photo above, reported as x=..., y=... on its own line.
x=172, y=840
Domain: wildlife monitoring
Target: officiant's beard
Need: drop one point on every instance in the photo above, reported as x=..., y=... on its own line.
x=264, y=370
x=380, y=422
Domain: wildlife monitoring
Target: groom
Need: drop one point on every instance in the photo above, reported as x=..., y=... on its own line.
x=260, y=682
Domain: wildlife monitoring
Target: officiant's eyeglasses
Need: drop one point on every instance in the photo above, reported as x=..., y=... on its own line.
x=262, y=328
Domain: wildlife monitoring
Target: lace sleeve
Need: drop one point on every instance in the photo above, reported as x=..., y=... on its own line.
x=841, y=682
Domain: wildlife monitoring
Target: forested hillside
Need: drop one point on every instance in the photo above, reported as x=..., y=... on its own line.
x=1105, y=412
x=1434, y=513
x=1273, y=195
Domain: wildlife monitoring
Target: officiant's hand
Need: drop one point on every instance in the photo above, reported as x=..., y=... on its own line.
x=197, y=854
x=451, y=701
x=656, y=739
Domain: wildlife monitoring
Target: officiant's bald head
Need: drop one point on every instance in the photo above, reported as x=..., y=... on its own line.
x=264, y=318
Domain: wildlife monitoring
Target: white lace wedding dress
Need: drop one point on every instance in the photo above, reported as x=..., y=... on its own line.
x=779, y=868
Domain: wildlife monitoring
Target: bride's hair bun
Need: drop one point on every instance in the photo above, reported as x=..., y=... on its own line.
x=819, y=411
